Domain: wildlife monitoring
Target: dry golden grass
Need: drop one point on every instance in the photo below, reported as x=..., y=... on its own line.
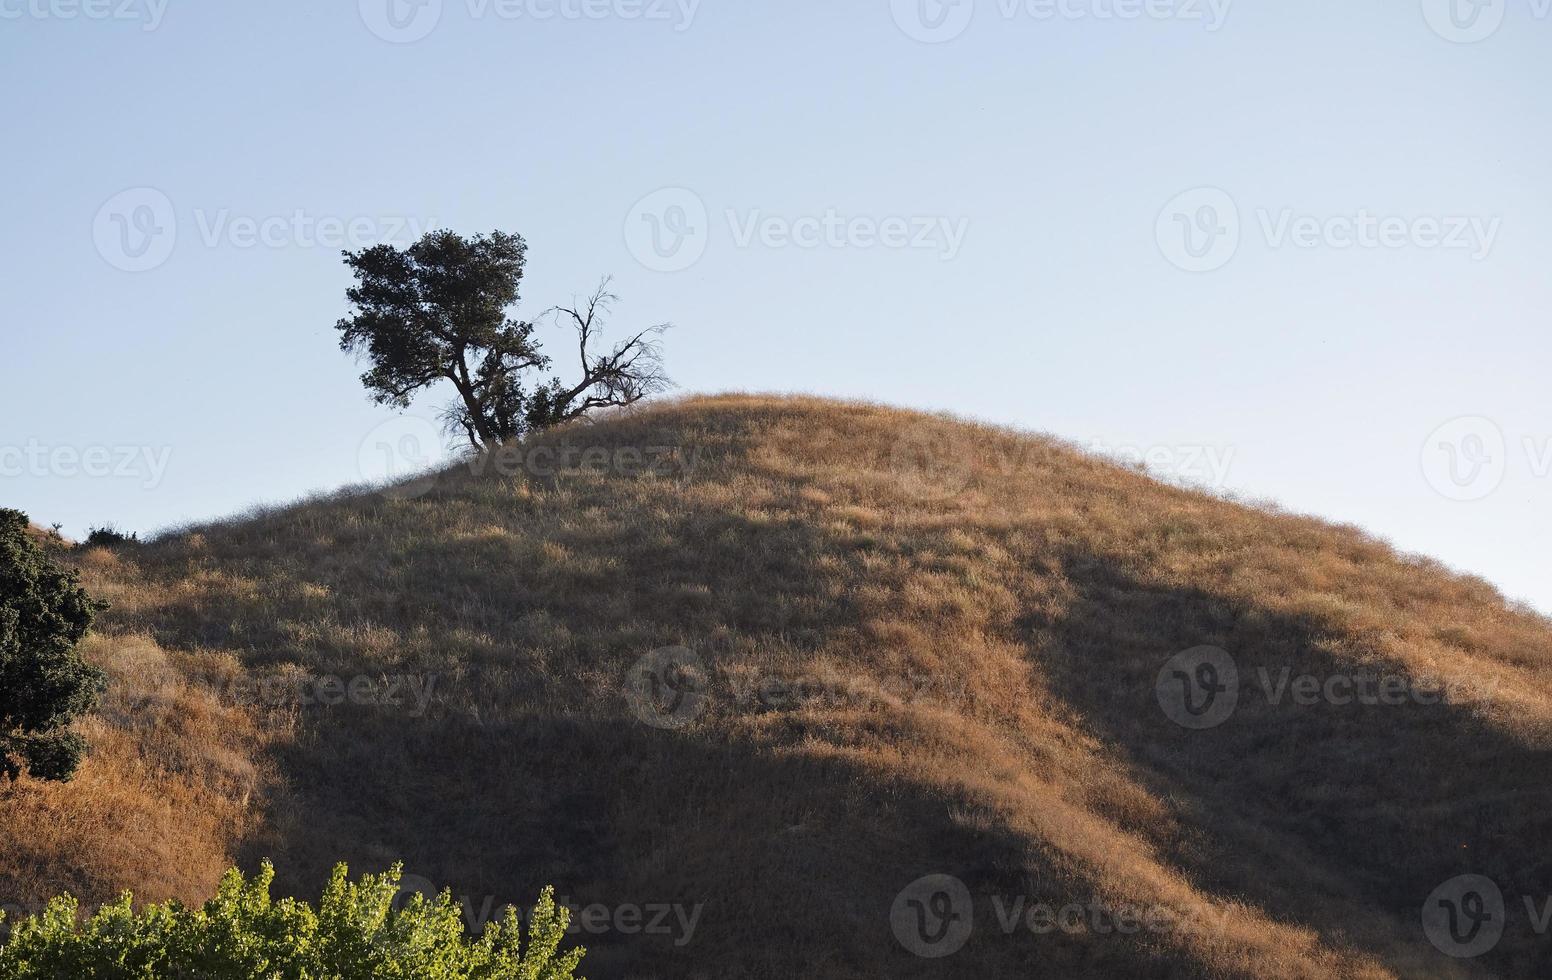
x=973, y=620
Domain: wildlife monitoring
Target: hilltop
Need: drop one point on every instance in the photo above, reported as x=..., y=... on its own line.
x=757, y=664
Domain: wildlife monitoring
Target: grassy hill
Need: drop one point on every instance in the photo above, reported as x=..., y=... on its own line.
x=896, y=646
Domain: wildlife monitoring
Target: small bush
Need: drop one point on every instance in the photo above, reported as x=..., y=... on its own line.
x=109, y=536
x=242, y=934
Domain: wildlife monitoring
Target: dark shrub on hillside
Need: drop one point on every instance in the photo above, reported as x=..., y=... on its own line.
x=44, y=684
x=109, y=536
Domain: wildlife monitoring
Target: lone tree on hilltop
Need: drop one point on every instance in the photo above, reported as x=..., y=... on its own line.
x=44, y=683
x=439, y=310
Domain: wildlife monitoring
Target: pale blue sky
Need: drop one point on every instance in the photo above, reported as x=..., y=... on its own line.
x=1039, y=153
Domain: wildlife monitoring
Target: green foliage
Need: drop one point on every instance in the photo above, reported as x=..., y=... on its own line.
x=44, y=684
x=242, y=934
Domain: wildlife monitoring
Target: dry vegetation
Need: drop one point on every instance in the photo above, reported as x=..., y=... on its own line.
x=976, y=641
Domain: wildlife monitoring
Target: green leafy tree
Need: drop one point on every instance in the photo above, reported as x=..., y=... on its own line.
x=440, y=311
x=243, y=934
x=44, y=683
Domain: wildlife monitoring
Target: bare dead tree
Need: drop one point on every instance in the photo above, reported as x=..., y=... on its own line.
x=629, y=372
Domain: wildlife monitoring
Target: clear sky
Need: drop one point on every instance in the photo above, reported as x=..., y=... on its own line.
x=1295, y=250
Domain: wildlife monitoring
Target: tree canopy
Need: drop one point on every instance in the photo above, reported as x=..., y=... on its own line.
x=441, y=310
x=44, y=684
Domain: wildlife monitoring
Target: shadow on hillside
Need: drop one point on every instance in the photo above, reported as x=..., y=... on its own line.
x=1285, y=800
x=781, y=866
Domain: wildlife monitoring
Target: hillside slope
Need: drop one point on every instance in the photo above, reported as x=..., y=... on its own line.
x=761, y=664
